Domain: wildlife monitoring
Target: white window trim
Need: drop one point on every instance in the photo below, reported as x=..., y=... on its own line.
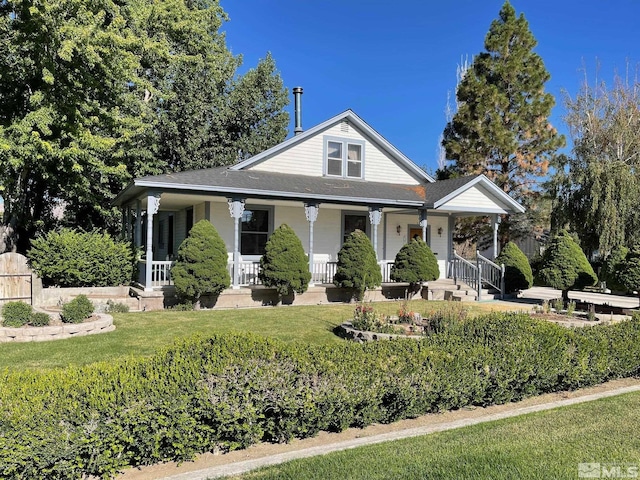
x=345, y=149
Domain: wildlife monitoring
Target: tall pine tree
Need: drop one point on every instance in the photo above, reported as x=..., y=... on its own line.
x=501, y=128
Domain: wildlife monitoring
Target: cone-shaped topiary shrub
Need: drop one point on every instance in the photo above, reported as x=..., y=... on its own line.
x=611, y=268
x=415, y=263
x=517, y=270
x=358, y=267
x=565, y=266
x=629, y=271
x=201, y=265
x=284, y=264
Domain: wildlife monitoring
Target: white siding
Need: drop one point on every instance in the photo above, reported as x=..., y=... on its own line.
x=198, y=213
x=306, y=158
x=326, y=229
x=438, y=244
x=473, y=197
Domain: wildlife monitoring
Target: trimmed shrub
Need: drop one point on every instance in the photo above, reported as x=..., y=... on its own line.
x=228, y=391
x=39, y=319
x=201, y=266
x=565, y=266
x=415, y=263
x=611, y=266
x=68, y=258
x=629, y=271
x=77, y=310
x=517, y=271
x=16, y=314
x=284, y=264
x=358, y=268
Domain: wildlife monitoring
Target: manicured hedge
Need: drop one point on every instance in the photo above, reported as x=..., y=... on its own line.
x=231, y=391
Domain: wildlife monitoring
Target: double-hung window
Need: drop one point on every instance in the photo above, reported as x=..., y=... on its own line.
x=255, y=228
x=344, y=158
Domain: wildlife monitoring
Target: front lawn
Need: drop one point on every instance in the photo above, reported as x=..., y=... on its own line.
x=542, y=445
x=141, y=334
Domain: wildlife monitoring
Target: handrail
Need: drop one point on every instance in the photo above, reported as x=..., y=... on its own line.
x=492, y=273
x=467, y=272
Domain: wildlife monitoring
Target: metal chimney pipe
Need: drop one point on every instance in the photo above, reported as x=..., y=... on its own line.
x=297, y=96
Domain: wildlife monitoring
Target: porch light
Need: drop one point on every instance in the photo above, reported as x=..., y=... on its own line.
x=439, y=231
x=398, y=229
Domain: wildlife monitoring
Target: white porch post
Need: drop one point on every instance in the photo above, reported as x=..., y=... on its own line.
x=375, y=215
x=311, y=212
x=153, y=204
x=236, y=209
x=496, y=226
x=138, y=227
x=423, y=224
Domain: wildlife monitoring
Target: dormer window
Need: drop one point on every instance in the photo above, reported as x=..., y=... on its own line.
x=344, y=158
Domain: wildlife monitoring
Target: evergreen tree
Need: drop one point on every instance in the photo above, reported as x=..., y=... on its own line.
x=518, y=274
x=611, y=268
x=501, y=127
x=284, y=264
x=358, y=267
x=565, y=266
x=201, y=266
x=415, y=263
x=629, y=273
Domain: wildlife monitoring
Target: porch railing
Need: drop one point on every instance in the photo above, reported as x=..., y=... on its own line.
x=323, y=272
x=462, y=270
x=492, y=273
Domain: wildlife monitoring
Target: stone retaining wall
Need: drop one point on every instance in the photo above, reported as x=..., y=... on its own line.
x=57, y=332
x=347, y=331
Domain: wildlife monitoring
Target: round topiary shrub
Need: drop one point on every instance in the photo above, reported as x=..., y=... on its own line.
x=284, y=264
x=39, y=319
x=565, y=266
x=358, y=268
x=68, y=258
x=415, y=263
x=16, y=314
x=77, y=310
x=517, y=270
x=201, y=266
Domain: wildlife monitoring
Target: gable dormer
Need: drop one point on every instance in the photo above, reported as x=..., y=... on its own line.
x=342, y=147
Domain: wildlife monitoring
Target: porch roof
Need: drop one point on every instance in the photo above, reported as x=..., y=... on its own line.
x=260, y=184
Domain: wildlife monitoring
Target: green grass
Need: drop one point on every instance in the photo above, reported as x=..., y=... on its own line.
x=143, y=333
x=536, y=446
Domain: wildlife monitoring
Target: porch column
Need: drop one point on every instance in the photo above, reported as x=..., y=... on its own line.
x=423, y=224
x=496, y=225
x=375, y=215
x=311, y=212
x=138, y=227
x=236, y=209
x=153, y=204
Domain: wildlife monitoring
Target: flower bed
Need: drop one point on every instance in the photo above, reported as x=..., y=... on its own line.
x=98, y=323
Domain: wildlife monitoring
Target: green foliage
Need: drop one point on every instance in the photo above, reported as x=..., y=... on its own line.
x=77, y=310
x=201, y=266
x=227, y=391
x=611, y=267
x=68, y=258
x=501, y=126
x=117, y=307
x=565, y=266
x=517, y=274
x=39, y=319
x=16, y=314
x=366, y=319
x=358, y=267
x=94, y=93
x=284, y=264
x=629, y=273
x=597, y=187
x=415, y=263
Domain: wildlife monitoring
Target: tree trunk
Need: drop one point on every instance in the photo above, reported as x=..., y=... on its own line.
x=565, y=296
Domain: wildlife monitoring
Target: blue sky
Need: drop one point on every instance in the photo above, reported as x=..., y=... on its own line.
x=394, y=62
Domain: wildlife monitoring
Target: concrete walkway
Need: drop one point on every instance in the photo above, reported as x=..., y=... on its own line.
x=536, y=295
x=267, y=454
